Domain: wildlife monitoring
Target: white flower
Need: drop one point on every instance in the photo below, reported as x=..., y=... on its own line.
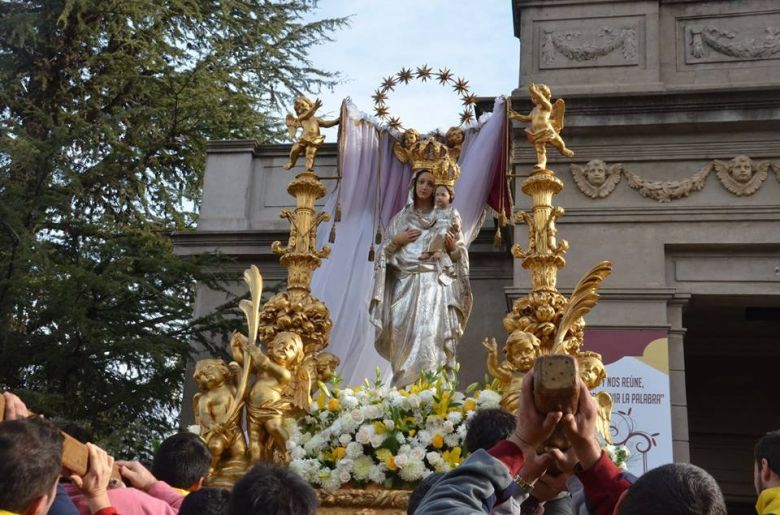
x=417, y=453
x=297, y=453
x=194, y=429
x=377, y=440
x=345, y=476
x=488, y=399
x=349, y=402
x=362, y=466
x=315, y=444
x=401, y=460
x=364, y=434
x=424, y=437
x=448, y=427
x=324, y=415
x=452, y=440
x=458, y=397
x=345, y=440
x=354, y=449
x=434, y=458
x=396, y=399
x=314, y=407
x=357, y=416
x=377, y=474
x=389, y=424
x=414, y=401
x=372, y=411
x=331, y=483
x=412, y=471
x=426, y=397
x=454, y=417
x=400, y=437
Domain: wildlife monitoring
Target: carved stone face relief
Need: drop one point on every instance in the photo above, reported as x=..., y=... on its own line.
x=741, y=176
x=596, y=179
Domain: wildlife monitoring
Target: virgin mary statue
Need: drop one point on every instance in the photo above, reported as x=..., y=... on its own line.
x=420, y=313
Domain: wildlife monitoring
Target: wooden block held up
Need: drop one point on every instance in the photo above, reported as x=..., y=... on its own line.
x=555, y=384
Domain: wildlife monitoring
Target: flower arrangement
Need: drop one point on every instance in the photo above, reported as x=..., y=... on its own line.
x=384, y=436
x=619, y=454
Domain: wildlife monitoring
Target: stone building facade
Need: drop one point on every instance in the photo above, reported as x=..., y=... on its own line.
x=663, y=97
x=673, y=109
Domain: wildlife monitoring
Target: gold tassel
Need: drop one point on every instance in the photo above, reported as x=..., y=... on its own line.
x=371, y=253
x=337, y=217
x=497, y=240
x=332, y=236
x=378, y=237
x=502, y=219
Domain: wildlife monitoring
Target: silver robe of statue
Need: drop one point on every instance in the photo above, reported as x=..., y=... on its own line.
x=419, y=317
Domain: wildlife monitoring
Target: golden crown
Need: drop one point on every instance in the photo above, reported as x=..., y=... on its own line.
x=434, y=156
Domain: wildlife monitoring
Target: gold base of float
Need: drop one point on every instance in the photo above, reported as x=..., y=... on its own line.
x=367, y=501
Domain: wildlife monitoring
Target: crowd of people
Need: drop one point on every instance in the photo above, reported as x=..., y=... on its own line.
x=506, y=473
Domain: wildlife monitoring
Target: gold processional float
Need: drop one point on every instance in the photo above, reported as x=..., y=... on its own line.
x=281, y=360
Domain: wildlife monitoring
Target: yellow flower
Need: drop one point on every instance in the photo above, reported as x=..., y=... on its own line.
x=383, y=454
x=380, y=428
x=334, y=405
x=390, y=462
x=453, y=457
x=440, y=408
x=470, y=405
x=437, y=441
x=339, y=452
x=321, y=400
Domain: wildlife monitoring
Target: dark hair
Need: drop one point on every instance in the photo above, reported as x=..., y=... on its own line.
x=206, y=501
x=78, y=430
x=487, y=427
x=768, y=448
x=420, y=490
x=675, y=489
x=273, y=490
x=30, y=461
x=182, y=460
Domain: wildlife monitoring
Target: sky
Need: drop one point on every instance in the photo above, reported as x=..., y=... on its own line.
x=474, y=39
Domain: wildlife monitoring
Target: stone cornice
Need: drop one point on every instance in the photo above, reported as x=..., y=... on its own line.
x=669, y=212
x=265, y=150
x=232, y=243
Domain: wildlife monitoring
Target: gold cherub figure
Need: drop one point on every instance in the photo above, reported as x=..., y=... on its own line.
x=546, y=123
x=281, y=388
x=592, y=373
x=403, y=150
x=310, y=139
x=521, y=351
x=219, y=428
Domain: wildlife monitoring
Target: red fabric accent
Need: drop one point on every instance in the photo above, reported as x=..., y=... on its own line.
x=499, y=187
x=604, y=484
x=509, y=454
x=107, y=511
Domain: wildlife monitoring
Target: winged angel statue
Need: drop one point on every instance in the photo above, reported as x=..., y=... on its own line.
x=546, y=123
x=310, y=139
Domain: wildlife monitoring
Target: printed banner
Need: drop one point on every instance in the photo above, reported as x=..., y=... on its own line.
x=637, y=363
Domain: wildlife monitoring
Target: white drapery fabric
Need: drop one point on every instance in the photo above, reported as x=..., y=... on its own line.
x=373, y=188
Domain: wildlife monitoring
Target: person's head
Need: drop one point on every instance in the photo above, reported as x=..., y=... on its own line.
x=273, y=490
x=741, y=168
x=326, y=365
x=206, y=501
x=410, y=137
x=596, y=172
x=454, y=137
x=182, y=461
x=443, y=196
x=488, y=427
x=592, y=371
x=301, y=105
x=420, y=490
x=423, y=189
x=766, y=469
x=210, y=373
x=30, y=463
x=286, y=348
x=673, y=489
x=522, y=349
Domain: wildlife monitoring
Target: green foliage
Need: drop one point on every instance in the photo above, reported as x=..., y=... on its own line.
x=105, y=110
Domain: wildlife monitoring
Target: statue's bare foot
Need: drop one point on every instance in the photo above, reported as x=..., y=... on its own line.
x=288, y=165
x=567, y=152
